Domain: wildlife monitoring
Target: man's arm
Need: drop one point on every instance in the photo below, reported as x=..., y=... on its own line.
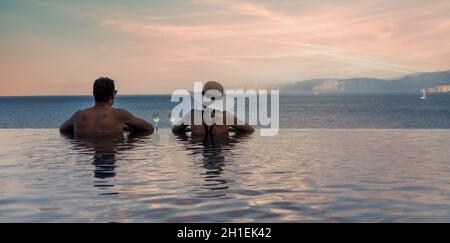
x=135, y=123
x=246, y=128
x=68, y=126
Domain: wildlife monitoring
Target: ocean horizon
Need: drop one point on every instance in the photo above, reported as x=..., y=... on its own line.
x=296, y=111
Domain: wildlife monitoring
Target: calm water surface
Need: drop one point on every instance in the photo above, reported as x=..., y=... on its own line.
x=332, y=111
x=317, y=175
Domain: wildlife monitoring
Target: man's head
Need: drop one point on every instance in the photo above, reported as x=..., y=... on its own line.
x=104, y=90
x=213, y=85
x=212, y=91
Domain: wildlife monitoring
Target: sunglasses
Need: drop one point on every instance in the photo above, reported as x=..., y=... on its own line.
x=208, y=96
x=115, y=92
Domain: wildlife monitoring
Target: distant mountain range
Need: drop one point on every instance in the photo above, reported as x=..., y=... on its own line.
x=437, y=82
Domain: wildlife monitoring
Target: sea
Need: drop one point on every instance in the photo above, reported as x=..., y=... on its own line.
x=367, y=158
x=329, y=111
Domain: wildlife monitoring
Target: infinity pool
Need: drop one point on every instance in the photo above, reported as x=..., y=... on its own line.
x=328, y=175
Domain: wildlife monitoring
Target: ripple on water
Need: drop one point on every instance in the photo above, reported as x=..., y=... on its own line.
x=329, y=175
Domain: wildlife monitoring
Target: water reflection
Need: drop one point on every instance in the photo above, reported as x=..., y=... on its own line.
x=105, y=148
x=330, y=175
x=214, y=152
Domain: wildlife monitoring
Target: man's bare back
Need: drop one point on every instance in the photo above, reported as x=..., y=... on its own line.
x=102, y=118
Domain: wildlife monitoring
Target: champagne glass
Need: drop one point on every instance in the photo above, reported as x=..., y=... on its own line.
x=156, y=119
x=171, y=118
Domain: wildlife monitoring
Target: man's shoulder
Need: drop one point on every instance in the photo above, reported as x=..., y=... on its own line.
x=80, y=112
x=85, y=111
x=123, y=113
x=120, y=110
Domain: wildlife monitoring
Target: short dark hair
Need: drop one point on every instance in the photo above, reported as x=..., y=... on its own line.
x=104, y=89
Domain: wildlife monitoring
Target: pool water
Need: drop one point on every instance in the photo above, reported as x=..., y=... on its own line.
x=309, y=175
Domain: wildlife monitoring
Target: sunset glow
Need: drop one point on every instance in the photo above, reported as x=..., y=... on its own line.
x=59, y=48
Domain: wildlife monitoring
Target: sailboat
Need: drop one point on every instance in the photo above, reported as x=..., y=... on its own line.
x=424, y=94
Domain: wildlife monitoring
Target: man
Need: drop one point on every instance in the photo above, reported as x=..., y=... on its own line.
x=102, y=118
x=213, y=129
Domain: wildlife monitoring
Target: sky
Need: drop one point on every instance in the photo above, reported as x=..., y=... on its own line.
x=158, y=46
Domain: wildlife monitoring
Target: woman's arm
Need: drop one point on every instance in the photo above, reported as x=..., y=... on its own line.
x=245, y=128
x=181, y=126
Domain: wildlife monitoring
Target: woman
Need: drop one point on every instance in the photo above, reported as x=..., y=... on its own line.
x=218, y=123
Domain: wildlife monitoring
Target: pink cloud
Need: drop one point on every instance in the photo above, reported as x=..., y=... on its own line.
x=245, y=42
